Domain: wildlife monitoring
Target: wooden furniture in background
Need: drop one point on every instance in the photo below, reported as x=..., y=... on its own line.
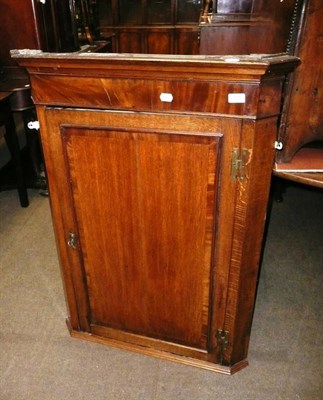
x=18, y=29
x=16, y=82
x=34, y=25
x=56, y=24
x=163, y=26
x=302, y=119
x=305, y=167
x=159, y=170
x=138, y=26
x=31, y=24
x=246, y=27
x=10, y=135
x=307, y=178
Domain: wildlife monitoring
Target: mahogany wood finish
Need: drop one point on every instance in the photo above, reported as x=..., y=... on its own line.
x=246, y=27
x=159, y=239
x=302, y=120
x=307, y=178
x=156, y=27
x=17, y=28
x=30, y=24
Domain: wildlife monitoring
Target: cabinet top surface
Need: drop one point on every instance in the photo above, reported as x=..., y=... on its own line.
x=259, y=64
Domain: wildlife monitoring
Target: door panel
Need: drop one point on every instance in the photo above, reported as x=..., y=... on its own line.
x=160, y=41
x=147, y=257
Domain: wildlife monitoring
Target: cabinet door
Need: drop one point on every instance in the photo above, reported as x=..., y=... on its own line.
x=139, y=192
x=159, y=41
x=187, y=41
x=130, y=40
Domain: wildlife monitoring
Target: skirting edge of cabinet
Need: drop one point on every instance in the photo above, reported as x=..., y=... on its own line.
x=157, y=353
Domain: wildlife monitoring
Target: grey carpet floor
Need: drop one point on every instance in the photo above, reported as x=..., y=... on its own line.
x=39, y=360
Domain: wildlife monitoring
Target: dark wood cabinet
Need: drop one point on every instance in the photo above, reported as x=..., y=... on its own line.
x=302, y=120
x=17, y=29
x=159, y=170
x=31, y=24
x=146, y=284
x=163, y=26
x=246, y=27
x=142, y=26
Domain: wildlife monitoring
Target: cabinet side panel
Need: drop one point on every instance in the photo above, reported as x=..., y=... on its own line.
x=250, y=216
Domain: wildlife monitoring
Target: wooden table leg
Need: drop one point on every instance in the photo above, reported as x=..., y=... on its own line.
x=12, y=142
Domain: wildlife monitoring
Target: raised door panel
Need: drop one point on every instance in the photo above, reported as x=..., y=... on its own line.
x=129, y=40
x=144, y=205
x=160, y=41
x=235, y=38
x=147, y=256
x=187, y=41
x=246, y=27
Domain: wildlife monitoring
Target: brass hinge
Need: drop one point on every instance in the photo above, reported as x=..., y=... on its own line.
x=222, y=338
x=239, y=163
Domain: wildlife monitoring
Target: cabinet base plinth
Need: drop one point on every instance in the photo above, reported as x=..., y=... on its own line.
x=157, y=353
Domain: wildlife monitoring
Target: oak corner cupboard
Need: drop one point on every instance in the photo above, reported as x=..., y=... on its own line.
x=159, y=170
